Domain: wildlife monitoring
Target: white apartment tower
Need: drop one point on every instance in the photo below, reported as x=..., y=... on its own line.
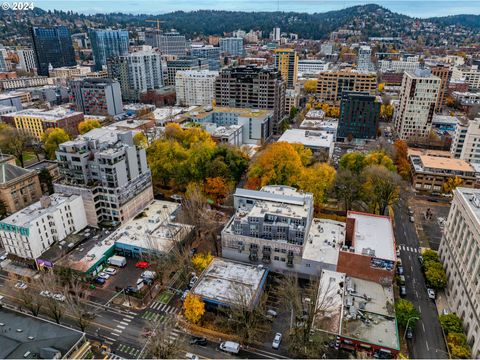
x=31, y=231
x=466, y=143
x=195, y=87
x=365, y=59
x=460, y=253
x=26, y=60
x=418, y=96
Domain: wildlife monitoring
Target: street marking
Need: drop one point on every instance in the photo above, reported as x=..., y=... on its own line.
x=127, y=320
x=114, y=333
x=423, y=326
x=130, y=316
x=124, y=323
x=416, y=294
x=121, y=327
x=117, y=331
x=109, y=338
x=420, y=309
x=426, y=343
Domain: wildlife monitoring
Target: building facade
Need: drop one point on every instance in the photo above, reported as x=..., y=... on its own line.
x=418, y=99
x=186, y=63
x=364, y=60
x=312, y=66
x=460, y=253
x=232, y=46
x=209, y=52
x=195, y=87
x=332, y=84
x=466, y=143
x=172, y=43
x=252, y=87
x=286, y=61
x=18, y=187
x=359, y=116
x=469, y=74
x=53, y=48
x=443, y=72
x=94, y=96
x=26, y=60
x=34, y=229
x=107, y=44
x=410, y=63
x=108, y=171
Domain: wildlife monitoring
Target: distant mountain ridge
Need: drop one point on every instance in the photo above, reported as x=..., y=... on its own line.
x=372, y=20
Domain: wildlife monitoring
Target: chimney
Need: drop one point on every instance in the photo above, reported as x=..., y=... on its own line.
x=350, y=231
x=45, y=201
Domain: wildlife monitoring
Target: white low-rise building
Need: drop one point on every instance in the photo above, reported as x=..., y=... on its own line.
x=317, y=141
x=31, y=231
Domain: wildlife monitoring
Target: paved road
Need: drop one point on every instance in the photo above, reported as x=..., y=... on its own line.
x=428, y=340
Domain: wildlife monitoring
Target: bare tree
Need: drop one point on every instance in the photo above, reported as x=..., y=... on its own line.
x=54, y=307
x=76, y=304
x=15, y=142
x=29, y=297
x=159, y=344
x=290, y=295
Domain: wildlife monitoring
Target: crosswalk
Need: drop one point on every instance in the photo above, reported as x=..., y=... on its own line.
x=408, y=248
x=169, y=309
x=131, y=351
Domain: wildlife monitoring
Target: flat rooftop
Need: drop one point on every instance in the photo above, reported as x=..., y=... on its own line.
x=318, y=124
x=325, y=238
x=373, y=235
x=227, y=282
x=152, y=229
x=57, y=113
x=277, y=193
x=436, y=162
x=32, y=212
x=472, y=198
x=22, y=333
x=309, y=138
x=131, y=124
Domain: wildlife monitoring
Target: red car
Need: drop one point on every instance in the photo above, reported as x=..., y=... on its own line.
x=142, y=265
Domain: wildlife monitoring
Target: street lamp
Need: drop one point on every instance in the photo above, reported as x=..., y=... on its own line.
x=408, y=321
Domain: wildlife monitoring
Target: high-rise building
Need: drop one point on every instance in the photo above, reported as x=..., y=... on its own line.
x=466, y=142
x=418, y=98
x=195, y=87
x=3, y=63
x=276, y=34
x=33, y=230
x=169, y=43
x=137, y=72
x=359, y=116
x=209, y=52
x=53, y=48
x=96, y=96
x=443, y=72
x=108, y=44
x=332, y=84
x=232, y=46
x=286, y=61
x=185, y=63
x=252, y=87
x=460, y=254
x=108, y=171
x=364, y=60
x=26, y=60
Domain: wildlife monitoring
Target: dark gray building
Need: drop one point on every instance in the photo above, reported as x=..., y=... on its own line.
x=184, y=63
x=107, y=44
x=359, y=116
x=209, y=52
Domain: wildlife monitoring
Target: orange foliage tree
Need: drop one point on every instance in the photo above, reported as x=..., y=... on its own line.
x=217, y=189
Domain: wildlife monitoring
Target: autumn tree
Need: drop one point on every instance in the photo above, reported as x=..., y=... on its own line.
x=140, y=140
x=193, y=308
x=87, y=125
x=457, y=343
x=451, y=323
x=201, y=260
x=310, y=86
x=386, y=112
x=348, y=188
x=53, y=308
x=435, y=274
x=379, y=158
x=52, y=138
x=401, y=159
x=15, y=142
x=451, y=184
x=381, y=188
x=217, y=189
x=353, y=162
x=29, y=297
x=405, y=310
x=318, y=179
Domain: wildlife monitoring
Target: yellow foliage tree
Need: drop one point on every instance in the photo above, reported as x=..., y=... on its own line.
x=193, y=308
x=451, y=184
x=140, y=140
x=87, y=125
x=386, y=111
x=310, y=86
x=381, y=86
x=317, y=179
x=51, y=139
x=201, y=260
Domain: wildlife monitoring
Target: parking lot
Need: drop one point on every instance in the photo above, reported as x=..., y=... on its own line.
x=429, y=227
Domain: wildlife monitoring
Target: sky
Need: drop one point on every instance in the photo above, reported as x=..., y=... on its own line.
x=415, y=8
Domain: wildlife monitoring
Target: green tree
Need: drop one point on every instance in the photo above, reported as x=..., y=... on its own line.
x=52, y=138
x=457, y=343
x=379, y=158
x=46, y=180
x=404, y=311
x=353, y=161
x=451, y=323
x=87, y=125
x=15, y=142
x=435, y=274
x=430, y=255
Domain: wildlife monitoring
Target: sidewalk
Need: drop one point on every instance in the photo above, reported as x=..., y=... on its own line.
x=441, y=302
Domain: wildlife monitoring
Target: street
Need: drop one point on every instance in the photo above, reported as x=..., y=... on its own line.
x=427, y=342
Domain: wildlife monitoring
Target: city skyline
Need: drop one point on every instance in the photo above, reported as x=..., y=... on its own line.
x=406, y=7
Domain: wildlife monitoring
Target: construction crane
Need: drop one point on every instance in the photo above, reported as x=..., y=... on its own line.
x=155, y=21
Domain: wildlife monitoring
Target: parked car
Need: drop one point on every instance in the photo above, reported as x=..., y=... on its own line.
x=21, y=285
x=142, y=265
x=431, y=293
x=110, y=271
x=59, y=297
x=177, y=198
x=403, y=290
x=100, y=280
x=117, y=260
x=420, y=259
x=104, y=275
x=192, y=282
x=198, y=341
x=148, y=275
x=3, y=257
x=277, y=340
x=140, y=283
x=410, y=211
x=398, y=252
x=400, y=270
x=46, y=293
x=230, y=347
x=409, y=333
x=272, y=313
x=412, y=219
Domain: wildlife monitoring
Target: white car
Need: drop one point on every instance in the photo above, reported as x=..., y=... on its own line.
x=3, y=257
x=192, y=356
x=46, y=293
x=59, y=297
x=431, y=294
x=104, y=275
x=21, y=285
x=277, y=340
x=110, y=271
